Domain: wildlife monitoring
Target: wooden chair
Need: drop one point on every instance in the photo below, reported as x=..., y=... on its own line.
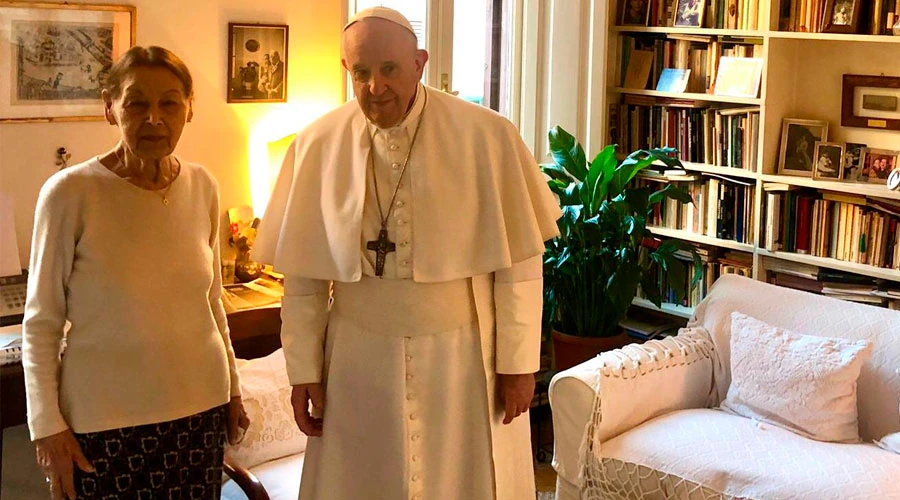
x=254, y=333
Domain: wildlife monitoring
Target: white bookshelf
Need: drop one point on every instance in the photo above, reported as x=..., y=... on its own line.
x=801, y=79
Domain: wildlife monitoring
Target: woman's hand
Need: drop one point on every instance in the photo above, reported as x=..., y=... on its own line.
x=237, y=421
x=55, y=456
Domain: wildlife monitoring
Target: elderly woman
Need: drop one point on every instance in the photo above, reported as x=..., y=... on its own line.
x=126, y=248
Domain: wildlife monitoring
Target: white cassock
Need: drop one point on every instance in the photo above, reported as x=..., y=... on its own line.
x=409, y=362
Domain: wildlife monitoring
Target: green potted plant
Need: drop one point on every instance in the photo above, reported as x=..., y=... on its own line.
x=592, y=270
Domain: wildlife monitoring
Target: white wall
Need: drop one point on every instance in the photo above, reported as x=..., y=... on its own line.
x=220, y=133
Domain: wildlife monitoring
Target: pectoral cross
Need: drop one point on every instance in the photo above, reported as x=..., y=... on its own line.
x=382, y=246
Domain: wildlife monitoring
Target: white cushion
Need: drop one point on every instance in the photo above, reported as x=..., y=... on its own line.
x=802, y=383
x=742, y=458
x=879, y=383
x=266, y=393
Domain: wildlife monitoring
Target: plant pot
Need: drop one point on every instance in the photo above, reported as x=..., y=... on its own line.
x=569, y=350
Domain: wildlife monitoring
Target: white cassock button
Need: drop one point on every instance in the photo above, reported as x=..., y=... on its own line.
x=399, y=203
x=405, y=263
x=417, y=497
x=404, y=244
x=409, y=376
x=415, y=437
x=410, y=397
x=395, y=166
x=394, y=147
x=408, y=357
x=415, y=477
x=413, y=416
x=415, y=458
x=401, y=222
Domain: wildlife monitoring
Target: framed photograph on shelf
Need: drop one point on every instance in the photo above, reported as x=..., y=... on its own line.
x=798, y=145
x=829, y=161
x=56, y=58
x=870, y=102
x=635, y=13
x=852, y=166
x=878, y=164
x=689, y=13
x=257, y=62
x=842, y=16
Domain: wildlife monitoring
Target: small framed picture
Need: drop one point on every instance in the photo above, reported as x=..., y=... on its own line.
x=689, y=13
x=878, y=164
x=842, y=16
x=635, y=12
x=829, y=161
x=798, y=145
x=852, y=166
x=257, y=62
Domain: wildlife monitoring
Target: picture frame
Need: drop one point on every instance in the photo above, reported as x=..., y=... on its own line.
x=257, y=63
x=878, y=164
x=57, y=57
x=798, y=144
x=689, y=13
x=829, y=161
x=635, y=13
x=870, y=102
x=852, y=166
x=842, y=16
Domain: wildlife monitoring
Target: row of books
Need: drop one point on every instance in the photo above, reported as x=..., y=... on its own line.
x=713, y=264
x=874, y=17
x=722, y=208
x=836, y=284
x=721, y=14
x=727, y=137
x=830, y=224
x=643, y=58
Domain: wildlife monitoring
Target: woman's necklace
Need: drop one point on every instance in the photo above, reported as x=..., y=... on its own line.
x=382, y=246
x=165, y=191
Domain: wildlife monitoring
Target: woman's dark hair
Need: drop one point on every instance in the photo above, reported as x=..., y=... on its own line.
x=148, y=57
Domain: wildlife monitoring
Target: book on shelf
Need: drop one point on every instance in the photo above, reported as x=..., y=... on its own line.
x=640, y=63
x=834, y=225
x=838, y=285
x=722, y=136
x=698, y=54
x=739, y=76
x=673, y=80
x=718, y=14
x=720, y=208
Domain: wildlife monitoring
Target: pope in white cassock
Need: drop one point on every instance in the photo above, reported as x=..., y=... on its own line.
x=423, y=218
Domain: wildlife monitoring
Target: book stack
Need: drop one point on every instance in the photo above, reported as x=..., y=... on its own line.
x=723, y=208
x=697, y=54
x=721, y=14
x=727, y=137
x=836, y=284
x=836, y=225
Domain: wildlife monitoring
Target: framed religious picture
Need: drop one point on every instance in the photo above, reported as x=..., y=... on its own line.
x=56, y=58
x=852, y=166
x=689, y=13
x=878, y=164
x=257, y=62
x=829, y=161
x=842, y=16
x=635, y=12
x=798, y=145
x=870, y=102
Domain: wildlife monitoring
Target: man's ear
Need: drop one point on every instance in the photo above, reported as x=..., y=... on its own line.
x=190, y=113
x=421, y=59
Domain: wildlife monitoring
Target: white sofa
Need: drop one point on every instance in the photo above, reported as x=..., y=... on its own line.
x=644, y=417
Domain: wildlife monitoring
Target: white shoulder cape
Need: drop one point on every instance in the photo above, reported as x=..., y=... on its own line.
x=481, y=203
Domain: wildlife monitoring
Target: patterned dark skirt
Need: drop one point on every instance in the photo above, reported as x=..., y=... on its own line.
x=176, y=460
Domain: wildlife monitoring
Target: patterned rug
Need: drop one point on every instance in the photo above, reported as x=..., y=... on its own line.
x=546, y=495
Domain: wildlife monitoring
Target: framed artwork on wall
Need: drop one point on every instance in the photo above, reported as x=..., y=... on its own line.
x=870, y=102
x=56, y=58
x=798, y=145
x=257, y=62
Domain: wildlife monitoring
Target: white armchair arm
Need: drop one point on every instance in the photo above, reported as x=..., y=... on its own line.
x=620, y=389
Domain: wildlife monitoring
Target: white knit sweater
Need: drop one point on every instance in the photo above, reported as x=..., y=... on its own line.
x=140, y=282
